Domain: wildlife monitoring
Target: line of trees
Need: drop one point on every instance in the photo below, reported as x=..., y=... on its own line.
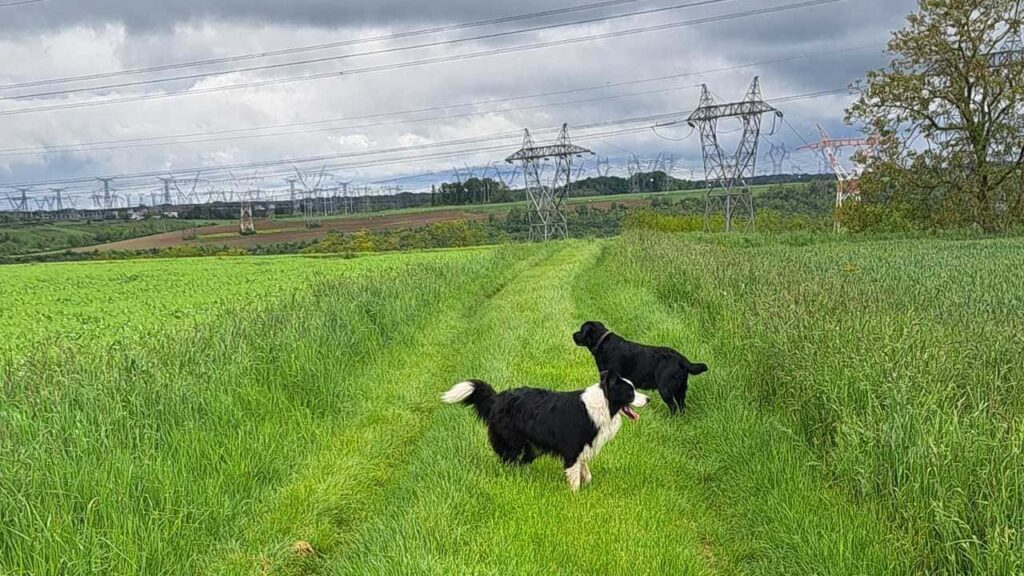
x=472, y=191
x=489, y=191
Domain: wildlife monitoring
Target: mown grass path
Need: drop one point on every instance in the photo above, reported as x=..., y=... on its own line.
x=723, y=490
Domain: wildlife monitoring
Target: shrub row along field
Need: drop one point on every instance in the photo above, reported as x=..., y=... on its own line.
x=860, y=416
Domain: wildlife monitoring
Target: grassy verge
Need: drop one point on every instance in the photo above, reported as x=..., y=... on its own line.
x=894, y=362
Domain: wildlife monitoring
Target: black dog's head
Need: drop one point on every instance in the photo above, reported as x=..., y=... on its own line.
x=621, y=395
x=589, y=334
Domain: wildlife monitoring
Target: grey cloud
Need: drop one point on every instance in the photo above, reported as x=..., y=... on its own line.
x=143, y=16
x=149, y=15
x=235, y=26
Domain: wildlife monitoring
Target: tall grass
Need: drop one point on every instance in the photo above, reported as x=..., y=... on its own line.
x=95, y=303
x=149, y=456
x=899, y=362
x=862, y=414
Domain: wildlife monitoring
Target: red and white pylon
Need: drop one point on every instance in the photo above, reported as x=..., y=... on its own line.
x=847, y=179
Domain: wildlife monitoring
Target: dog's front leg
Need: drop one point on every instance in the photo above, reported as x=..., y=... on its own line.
x=573, y=475
x=585, y=473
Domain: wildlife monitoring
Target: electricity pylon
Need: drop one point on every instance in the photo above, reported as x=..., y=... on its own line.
x=545, y=202
x=727, y=176
x=311, y=197
x=245, y=222
x=777, y=154
x=846, y=179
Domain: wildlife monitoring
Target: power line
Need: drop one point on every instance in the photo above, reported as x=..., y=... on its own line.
x=20, y=3
x=287, y=166
x=683, y=139
x=436, y=60
x=207, y=136
x=322, y=158
x=288, y=163
x=392, y=50
x=371, y=125
x=418, y=156
x=314, y=47
x=794, y=130
x=348, y=155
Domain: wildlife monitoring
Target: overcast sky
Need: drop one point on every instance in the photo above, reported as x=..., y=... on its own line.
x=827, y=47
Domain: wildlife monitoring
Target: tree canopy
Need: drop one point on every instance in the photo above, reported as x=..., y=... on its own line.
x=948, y=111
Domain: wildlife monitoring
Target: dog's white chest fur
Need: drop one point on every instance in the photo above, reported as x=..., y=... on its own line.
x=600, y=414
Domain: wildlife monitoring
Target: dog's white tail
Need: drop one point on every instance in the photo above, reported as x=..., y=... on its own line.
x=458, y=393
x=475, y=393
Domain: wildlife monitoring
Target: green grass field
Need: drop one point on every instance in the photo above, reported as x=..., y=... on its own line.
x=863, y=413
x=19, y=239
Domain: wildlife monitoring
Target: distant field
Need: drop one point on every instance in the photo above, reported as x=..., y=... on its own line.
x=291, y=229
x=17, y=239
x=863, y=413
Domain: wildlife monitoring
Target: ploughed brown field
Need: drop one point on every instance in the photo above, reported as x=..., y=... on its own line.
x=278, y=231
x=292, y=230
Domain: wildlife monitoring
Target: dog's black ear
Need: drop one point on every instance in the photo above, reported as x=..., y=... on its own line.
x=583, y=336
x=586, y=329
x=697, y=369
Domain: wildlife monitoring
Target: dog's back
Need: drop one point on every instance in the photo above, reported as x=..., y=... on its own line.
x=647, y=367
x=644, y=364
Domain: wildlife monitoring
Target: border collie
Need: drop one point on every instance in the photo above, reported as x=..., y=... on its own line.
x=526, y=422
x=650, y=367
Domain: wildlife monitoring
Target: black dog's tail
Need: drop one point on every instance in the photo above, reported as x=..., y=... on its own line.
x=696, y=369
x=475, y=393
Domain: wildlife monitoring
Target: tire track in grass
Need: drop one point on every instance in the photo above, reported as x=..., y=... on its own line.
x=456, y=510
x=335, y=491
x=762, y=506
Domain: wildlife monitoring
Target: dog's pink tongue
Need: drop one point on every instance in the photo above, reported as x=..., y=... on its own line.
x=630, y=413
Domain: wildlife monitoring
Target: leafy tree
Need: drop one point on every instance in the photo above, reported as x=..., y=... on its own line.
x=948, y=109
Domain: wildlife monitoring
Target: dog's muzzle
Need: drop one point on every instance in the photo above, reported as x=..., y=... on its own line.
x=639, y=401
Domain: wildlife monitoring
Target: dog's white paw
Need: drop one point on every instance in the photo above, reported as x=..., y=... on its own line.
x=573, y=475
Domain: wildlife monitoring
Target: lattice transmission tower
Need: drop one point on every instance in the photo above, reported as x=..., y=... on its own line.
x=58, y=199
x=247, y=190
x=846, y=178
x=777, y=155
x=108, y=197
x=727, y=175
x=311, y=193
x=1011, y=52
x=635, y=170
x=19, y=202
x=546, y=200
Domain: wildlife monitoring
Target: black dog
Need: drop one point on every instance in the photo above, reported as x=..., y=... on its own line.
x=649, y=367
x=526, y=422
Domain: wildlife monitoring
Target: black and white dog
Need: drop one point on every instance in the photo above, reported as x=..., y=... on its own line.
x=526, y=422
x=649, y=367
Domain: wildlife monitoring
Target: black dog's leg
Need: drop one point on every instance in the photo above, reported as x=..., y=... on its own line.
x=670, y=399
x=529, y=454
x=681, y=398
x=508, y=449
